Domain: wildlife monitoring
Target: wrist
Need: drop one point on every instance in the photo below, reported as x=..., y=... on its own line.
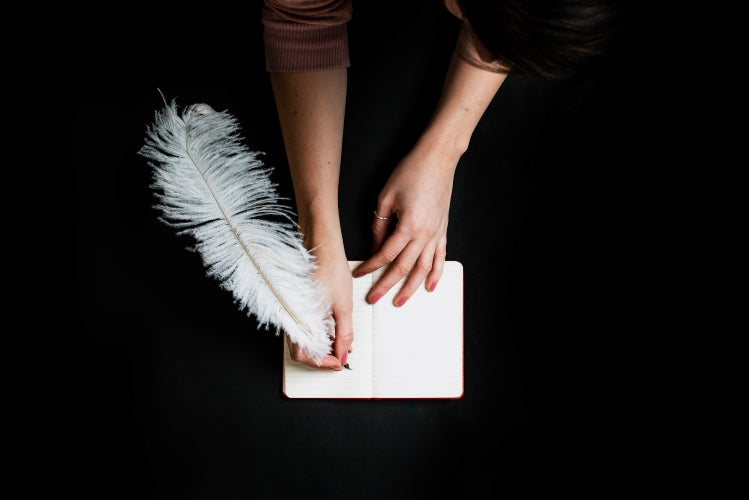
x=440, y=142
x=319, y=222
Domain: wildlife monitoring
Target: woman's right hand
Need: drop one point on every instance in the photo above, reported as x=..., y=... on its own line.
x=334, y=273
x=311, y=107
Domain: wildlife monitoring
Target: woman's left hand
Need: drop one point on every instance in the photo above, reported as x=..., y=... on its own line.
x=417, y=194
x=418, y=191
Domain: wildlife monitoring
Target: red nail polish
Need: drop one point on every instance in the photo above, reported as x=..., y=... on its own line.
x=375, y=298
x=401, y=301
x=358, y=274
x=432, y=286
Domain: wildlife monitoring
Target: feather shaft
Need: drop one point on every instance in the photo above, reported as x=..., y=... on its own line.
x=210, y=186
x=244, y=247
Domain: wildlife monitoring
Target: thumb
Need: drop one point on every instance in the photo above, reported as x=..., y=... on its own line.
x=344, y=336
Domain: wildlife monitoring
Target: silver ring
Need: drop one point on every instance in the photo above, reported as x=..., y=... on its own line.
x=381, y=218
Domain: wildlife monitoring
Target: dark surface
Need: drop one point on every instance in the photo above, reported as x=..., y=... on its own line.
x=156, y=386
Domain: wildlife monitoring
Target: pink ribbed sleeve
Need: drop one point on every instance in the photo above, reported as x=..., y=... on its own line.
x=305, y=35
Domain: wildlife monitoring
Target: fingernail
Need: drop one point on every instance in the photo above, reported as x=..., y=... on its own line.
x=374, y=298
x=401, y=301
x=358, y=274
x=432, y=286
x=344, y=357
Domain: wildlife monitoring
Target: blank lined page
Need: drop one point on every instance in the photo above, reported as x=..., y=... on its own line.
x=418, y=348
x=414, y=351
x=301, y=381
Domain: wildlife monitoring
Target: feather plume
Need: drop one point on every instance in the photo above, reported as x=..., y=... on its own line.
x=210, y=186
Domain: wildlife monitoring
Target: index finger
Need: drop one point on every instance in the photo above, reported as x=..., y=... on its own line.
x=392, y=247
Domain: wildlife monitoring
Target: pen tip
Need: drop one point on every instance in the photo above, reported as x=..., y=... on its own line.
x=346, y=366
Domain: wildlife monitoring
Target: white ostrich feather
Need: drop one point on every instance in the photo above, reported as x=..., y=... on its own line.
x=210, y=186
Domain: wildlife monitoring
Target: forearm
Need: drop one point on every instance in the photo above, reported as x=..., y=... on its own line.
x=466, y=94
x=311, y=109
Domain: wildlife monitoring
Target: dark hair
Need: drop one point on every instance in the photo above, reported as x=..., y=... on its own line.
x=548, y=38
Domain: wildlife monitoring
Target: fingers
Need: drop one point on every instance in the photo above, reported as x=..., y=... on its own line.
x=328, y=362
x=413, y=251
x=438, y=265
x=385, y=255
x=400, y=268
x=416, y=278
x=407, y=262
x=419, y=263
x=343, y=339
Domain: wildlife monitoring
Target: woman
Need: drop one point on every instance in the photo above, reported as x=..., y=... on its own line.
x=306, y=50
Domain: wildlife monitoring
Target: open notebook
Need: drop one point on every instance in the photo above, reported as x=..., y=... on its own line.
x=411, y=352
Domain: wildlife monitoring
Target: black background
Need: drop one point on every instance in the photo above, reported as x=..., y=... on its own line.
x=149, y=383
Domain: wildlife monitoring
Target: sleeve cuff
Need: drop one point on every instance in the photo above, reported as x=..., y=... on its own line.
x=305, y=47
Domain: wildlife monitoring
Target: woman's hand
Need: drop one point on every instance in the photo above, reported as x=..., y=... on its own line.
x=417, y=194
x=311, y=108
x=334, y=274
x=418, y=191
